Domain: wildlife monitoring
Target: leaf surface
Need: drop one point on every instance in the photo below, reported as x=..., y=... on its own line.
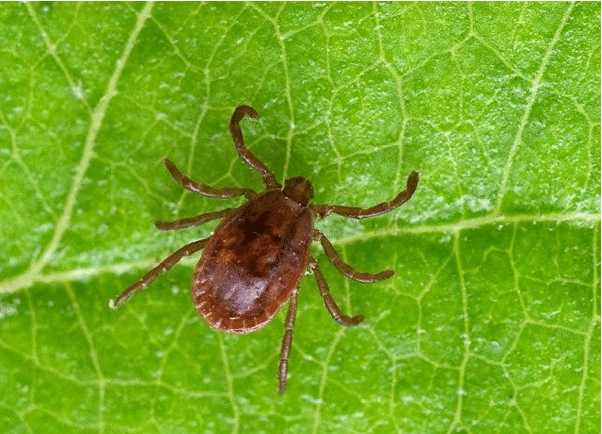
x=492, y=320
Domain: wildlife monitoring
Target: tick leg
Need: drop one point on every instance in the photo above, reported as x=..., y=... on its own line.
x=165, y=265
x=247, y=156
x=346, y=269
x=206, y=190
x=286, y=342
x=381, y=208
x=192, y=221
x=332, y=307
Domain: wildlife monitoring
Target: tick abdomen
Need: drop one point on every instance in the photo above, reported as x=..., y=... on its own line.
x=253, y=263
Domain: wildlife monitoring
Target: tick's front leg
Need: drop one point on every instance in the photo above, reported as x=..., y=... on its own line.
x=269, y=179
x=381, y=208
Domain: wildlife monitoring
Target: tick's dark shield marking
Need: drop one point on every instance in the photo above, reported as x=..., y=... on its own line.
x=253, y=262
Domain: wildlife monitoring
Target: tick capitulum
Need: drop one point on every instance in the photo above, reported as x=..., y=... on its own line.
x=253, y=263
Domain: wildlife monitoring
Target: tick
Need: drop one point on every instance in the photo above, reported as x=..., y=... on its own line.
x=252, y=264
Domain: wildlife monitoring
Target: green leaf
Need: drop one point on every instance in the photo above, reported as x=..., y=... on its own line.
x=492, y=321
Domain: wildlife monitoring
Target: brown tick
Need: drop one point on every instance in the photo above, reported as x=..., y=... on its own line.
x=252, y=264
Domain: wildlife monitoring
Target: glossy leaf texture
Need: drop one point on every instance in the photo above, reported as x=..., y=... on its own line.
x=492, y=320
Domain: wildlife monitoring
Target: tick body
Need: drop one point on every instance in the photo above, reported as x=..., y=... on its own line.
x=252, y=264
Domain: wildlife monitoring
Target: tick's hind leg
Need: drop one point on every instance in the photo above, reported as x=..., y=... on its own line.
x=192, y=221
x=165, y=265
x=286, y=342
x=332, y=307
x=346, y=269
x=205, y=190
x=247, y=156
x=381, y=208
